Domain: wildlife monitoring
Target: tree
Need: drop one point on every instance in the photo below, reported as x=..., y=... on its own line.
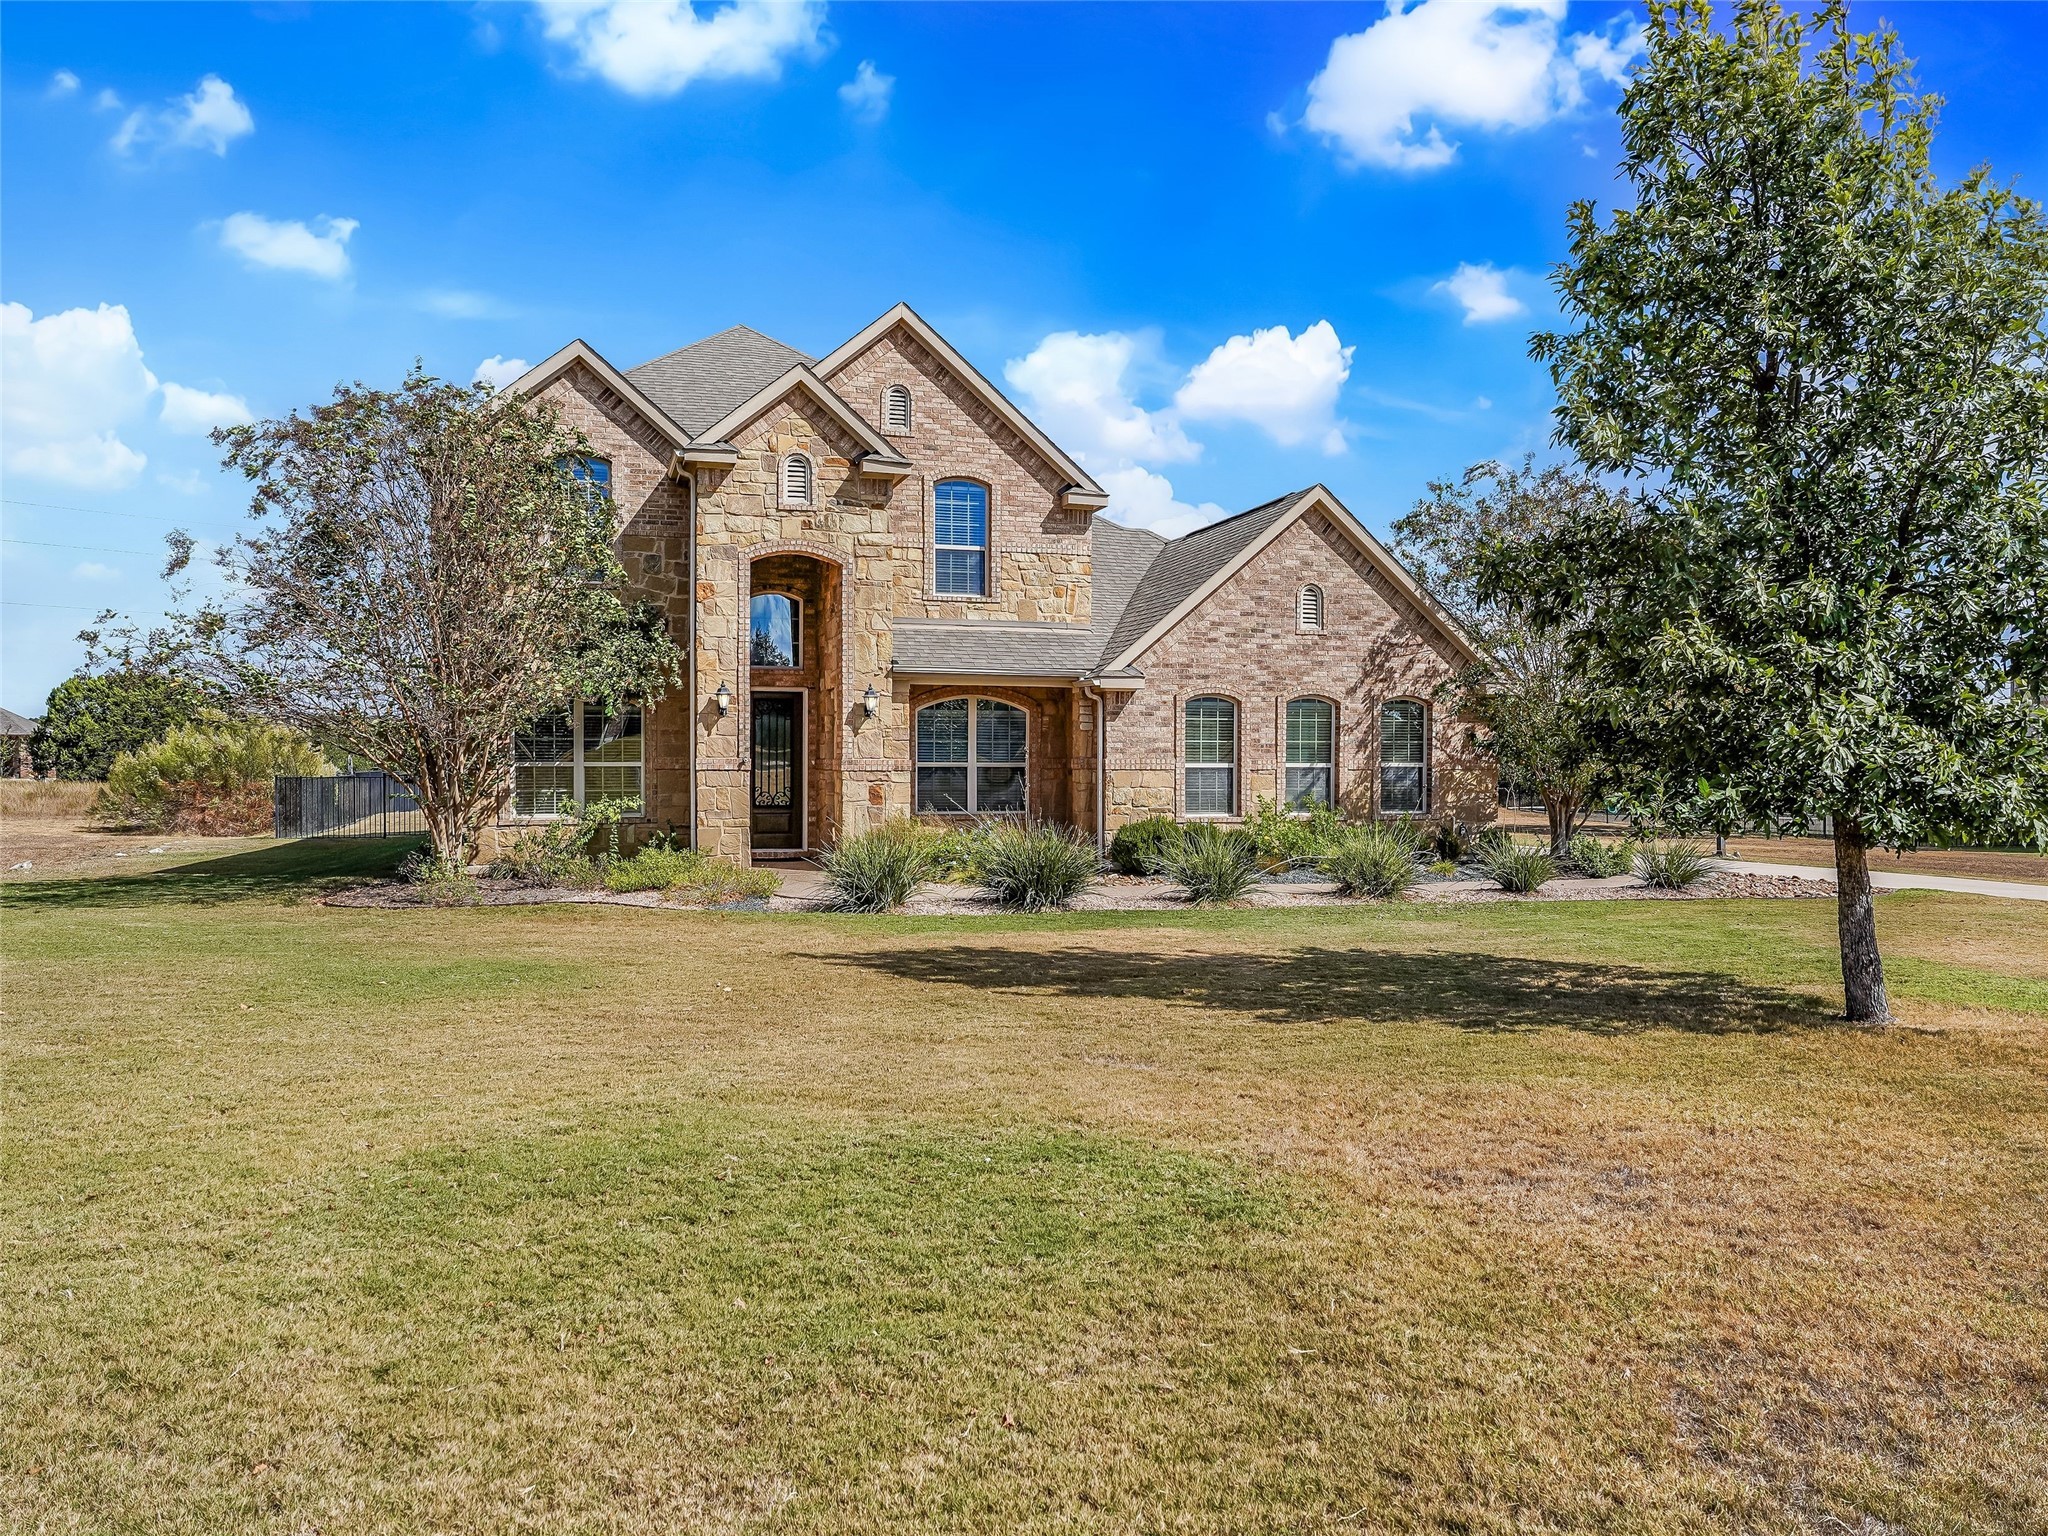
x=1828, y=376
x=1536, y=708
x=426, y=577
x=93, y=718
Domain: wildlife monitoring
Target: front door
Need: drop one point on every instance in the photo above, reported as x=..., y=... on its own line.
x=778, y=779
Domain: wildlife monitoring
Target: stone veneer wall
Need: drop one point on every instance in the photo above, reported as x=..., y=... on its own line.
x=1245, y=643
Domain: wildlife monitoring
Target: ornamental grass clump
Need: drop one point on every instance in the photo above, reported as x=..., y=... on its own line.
x=1211, y=865
x=684, y=874
x=877, y=871
x=1517, y=867
x=1671, y=866
x=1141, y=847
x=1372, y=862
x=1037, y=869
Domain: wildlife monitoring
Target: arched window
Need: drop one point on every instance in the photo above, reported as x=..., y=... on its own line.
x=776, y=622
x=593, y=475
x=1404, y=735
x=799, y=480
x=1309, y=607
x=896, y=408
x=960, y=538
x=971, y=757
x=1311, y=753
x=1210, y=758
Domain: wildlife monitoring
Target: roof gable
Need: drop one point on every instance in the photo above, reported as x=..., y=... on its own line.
x=549, y=369
x=701, y=383
x=876, y=446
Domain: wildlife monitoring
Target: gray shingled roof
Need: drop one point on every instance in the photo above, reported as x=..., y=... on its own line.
x=12, y=724
x=706, y=381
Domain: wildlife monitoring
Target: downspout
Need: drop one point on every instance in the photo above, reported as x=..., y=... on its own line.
x=1101, y=764
x=690, y=649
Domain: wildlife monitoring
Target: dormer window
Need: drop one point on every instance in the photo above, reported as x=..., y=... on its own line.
x=799, y=480
x=896, y=408
x=1309, y=608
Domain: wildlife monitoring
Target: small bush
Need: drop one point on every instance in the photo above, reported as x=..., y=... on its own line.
x=1372, y=862
x=212, y=777
x=1211, y=865
x=1142, y=847
x=1671, y=866
x=551, y=853
x=1596, y=860
x=684, y=874
x=1444, y=867
x=1449, y=841
x=439, y=884
x=1284, y=837
x=1518, y=867
x=877, y=871
x=957, y=853
x=1038, y=869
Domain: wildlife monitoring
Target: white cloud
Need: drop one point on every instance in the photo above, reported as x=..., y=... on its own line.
x=106, y=101
x=72, y=379
x=1141, y=499
x=1481, y=289
x=657, y=47
x=460, y=304
x=63, y=83
x=289, y=244
x=1385, y=95
x=196, y=411
x=185, y=482
x=1075, y=387
x=210, y=117
x=499, y=372
x=92, y=570
x=1287, y=386
x=866, y=95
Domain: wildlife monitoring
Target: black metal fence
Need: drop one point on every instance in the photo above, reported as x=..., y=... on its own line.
x=346, y=805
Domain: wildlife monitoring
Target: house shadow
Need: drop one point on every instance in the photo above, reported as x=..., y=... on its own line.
x=300, y=866
x=1318, y=985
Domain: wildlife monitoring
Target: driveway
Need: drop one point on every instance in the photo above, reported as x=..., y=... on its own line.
x=1890, y=880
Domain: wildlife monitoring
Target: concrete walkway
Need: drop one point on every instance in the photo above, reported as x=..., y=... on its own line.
x=1890, y=880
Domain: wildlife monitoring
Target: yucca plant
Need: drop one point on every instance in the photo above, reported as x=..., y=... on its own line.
x=1037, y=869
x=876, y=871
x=1671, y=866
x=1517, y=867
x=1211, y=865
x=1371, y=862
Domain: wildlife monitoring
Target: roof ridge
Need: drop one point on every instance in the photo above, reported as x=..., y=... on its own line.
x=1288, y=498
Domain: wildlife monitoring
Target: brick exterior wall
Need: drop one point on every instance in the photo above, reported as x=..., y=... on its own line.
x=1245, y=644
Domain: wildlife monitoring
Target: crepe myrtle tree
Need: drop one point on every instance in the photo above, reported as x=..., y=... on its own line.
x=1534, y=709
x=1826, y=373
x=426, y=575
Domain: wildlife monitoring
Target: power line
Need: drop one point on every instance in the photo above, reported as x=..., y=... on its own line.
x=53, y=506
x=67, y=607
x=97, y=549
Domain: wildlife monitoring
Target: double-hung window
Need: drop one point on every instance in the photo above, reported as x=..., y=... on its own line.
x=971, y=757
x=1210, y=758
x=1311, y=753
x=1404, y=790
x=583, y=753
x=960, y=539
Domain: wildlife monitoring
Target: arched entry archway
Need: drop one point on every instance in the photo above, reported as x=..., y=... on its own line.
x=794, y=681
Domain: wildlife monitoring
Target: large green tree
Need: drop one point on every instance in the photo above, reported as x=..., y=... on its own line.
x=1827, y=374
x=94, y=717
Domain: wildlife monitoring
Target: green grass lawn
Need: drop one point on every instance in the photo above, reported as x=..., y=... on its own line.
x=1546, y=1217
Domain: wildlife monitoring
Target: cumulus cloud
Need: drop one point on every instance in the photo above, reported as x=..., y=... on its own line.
x=196, y=411
x=211, y=117
x=63, y=83
x=72, y=380
x=1141, y=499
x=1385, y=95
x=92, y=570
x=1482, y=290
x=866, y=95
x=1287, y=386
x=290, y=245
x=657, y=47
x=499, y=372
x=1077, y=388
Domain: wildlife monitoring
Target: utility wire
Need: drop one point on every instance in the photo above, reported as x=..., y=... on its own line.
x=53, y=506
x=67, y=607
x=97, y=549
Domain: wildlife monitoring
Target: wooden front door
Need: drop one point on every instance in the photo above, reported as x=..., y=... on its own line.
x=778, y=776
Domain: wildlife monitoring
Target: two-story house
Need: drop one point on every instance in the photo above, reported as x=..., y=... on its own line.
x=899, y=596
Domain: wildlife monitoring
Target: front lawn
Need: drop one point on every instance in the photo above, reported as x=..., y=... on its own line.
x=1552, y=1217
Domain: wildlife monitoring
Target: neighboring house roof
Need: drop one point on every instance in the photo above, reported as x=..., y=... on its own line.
x=708, y=380
x=12, y=724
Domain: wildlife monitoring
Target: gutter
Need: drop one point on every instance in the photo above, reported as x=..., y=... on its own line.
x=690, y=651
x=1101, y=764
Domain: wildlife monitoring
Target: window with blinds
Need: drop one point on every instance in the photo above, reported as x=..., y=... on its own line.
x=1209, y=767
x=1404, y=790
x=960, y=539
x=1311, y=753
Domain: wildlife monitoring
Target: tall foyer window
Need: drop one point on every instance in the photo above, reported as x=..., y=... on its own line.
x=970, y=757
x=896, y=409
x=799, y=480
x=1210, y=769
x=1311, y=753
x=581, y=754
x=1402, y=760
x=960, y=538
x=776, y=622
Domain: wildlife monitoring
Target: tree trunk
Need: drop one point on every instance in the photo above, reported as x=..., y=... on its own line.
x=1856, y=924
x=1560, y=812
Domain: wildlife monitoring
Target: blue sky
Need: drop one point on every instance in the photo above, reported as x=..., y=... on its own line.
x=1221, y=251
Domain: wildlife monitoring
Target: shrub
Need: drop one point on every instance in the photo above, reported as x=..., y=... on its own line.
x=877, y=871
x=439, y=884
x=1671, y=866
x=212, y=777
x=685, y=874
x=551, y=853
x=1449, y=841
x=1596, y=860
x=93, y=718
x=1142, y=847
x=1372, y=862
x=1518, y=867
x=1210, y=864
x=1037, y=869
x=957, y=853
x=1444, y=867
x=1285, y=837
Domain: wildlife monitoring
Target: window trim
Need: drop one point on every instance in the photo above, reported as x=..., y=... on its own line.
x=796, y=630
x=1302, y=603
x=784, y=495
x=986, y=548
x=577, y=767
x=1234, y=766
x=1380, y=757
x=1329, y=763
x=890, y=394
x=973, y=762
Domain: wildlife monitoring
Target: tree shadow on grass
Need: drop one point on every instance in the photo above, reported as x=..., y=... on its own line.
x=299, y=867
x=1466, y=990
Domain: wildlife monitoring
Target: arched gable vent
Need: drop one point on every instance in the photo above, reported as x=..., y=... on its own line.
x=1309, y=607
x=896, y=408
x=799, y=479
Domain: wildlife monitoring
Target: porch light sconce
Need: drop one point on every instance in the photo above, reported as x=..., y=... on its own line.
x=723, y=699
x=871, y=702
